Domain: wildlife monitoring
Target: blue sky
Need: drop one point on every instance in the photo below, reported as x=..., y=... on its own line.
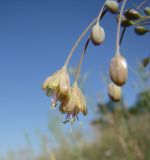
x=35, y=39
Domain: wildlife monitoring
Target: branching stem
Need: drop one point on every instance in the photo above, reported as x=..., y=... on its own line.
x=81, y=37
x=125, y=28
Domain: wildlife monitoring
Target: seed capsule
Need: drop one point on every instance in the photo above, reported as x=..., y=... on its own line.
x=118, y=70
x=97, y=35
x=132, y=14
x=147, y=11
x=112, y=6
x=114, y=92
x=140, y=30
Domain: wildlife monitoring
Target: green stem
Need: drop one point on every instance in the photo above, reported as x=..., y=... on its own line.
x=143, y=20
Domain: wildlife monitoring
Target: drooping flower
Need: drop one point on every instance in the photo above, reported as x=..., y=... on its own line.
x=74, y=104
x=114, y=92
x=57, y=85
x=118, y=70
x=97, y=35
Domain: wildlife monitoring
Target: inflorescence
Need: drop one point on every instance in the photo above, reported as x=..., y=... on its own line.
x=71, y=98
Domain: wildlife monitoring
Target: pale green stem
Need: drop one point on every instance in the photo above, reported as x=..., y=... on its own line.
x=78, y=41
x=141, y=4
x=81, y=37
x=118, y=28
x=146, y=18
x=100, y=14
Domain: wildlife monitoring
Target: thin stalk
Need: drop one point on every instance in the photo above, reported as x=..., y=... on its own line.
x=142, y=24
x=81, y=60
x=81, y=37
x=118, y=28
x=78, y=41
x=100, y=13
x=146, y=18
x=141, y=4
x=122, y=35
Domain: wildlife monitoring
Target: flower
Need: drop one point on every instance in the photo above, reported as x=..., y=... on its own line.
x=57, y=85
x=74, y=104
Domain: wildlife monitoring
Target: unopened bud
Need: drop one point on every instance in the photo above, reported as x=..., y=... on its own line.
x=114, y=92
x=125, y=22
x=147, y=11
x=118, y=70
x=112, y=6
x=97, y=35
x=132, y=14
x=140, y=30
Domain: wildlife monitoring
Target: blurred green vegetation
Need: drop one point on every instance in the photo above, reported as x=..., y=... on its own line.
x=120, y=132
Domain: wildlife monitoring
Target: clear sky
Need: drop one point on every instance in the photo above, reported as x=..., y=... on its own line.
x=35, y=39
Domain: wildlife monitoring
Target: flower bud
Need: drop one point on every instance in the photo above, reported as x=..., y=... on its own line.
x=147, y=11
x=132, y=14
x=97, y=35
x=140, y=30
x=112, y=6
x=118, y=70
x=125, y=22
x=114, y=92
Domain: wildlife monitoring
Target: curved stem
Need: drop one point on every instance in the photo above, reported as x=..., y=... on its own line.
x=141, y=4
x=142, y=24
x=78, y=41
x=122, y=35
x=81, y=60
x=118, y=28
x=143, y=20
x=100, y=13
x=81, y=37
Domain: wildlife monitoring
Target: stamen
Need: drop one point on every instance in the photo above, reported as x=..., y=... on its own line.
x=54, y=100
x=70, y=118
x=66, y=119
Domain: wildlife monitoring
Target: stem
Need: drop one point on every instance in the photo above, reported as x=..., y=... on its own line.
x=81, y=37
x=143, y=19
x=142, y=24
x=81, y=60
x=100, y=13
x=118, y=28
x=122, y=35
x=78, y=41
x=140, y=5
